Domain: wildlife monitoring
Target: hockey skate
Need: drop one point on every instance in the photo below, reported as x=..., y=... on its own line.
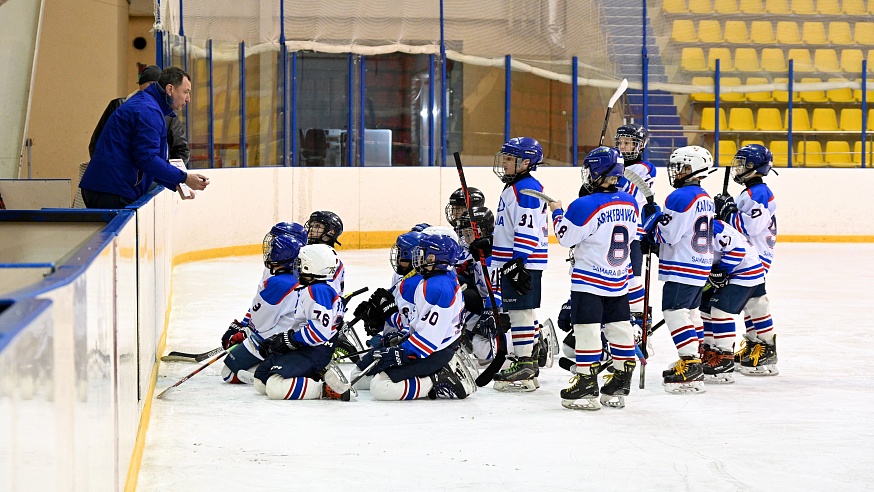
x=718, y=366
x=760, y=360
x=520, y=377
x=618, y=386
x=452, y=381
x=583, y=391
x=686, y=376
x=336, y=386
x=347, y=343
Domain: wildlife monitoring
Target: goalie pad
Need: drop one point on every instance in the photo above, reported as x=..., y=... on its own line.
x=547, y=330
x=347, y=343
x=465, y=367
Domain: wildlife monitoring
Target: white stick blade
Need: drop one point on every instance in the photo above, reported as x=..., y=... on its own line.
x=619, y=91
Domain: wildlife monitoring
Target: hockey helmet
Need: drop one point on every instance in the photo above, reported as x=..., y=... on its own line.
x=600, y=164
x=324, y=227
x=458, y=205
x=482, y=217
x=402, y=251
x=280, y=251
x=436, y=252
x=751, y=160
x=687, y=163
x=511, y=160
x=631, y=140
x=316, y=262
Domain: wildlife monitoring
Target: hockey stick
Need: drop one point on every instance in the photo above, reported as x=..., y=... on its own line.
x=616, y=95
x=538, y=194
x=186, y=378
x=650, y=198
x=489, y=372
x=175, y=356
x=568, y=364
x=725, y=180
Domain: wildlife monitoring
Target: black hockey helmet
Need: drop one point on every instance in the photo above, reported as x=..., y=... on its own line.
x=639, y=136
x=324, y=227
x=457, y=204
x=482, y=217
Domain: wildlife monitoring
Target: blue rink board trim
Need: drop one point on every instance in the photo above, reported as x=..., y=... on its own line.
x=81, y=258
x=18, y=315
x=28, y=265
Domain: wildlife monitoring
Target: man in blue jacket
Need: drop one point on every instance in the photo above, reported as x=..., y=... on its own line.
x=131, y=151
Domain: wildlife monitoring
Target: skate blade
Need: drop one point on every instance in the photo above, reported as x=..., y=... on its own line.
x=590, y=404
x=688, y=388
x=613, y=401
x=759, y=370
x=526, y=386
x=725, y=378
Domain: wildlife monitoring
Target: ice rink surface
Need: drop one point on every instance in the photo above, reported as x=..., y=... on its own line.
x=809, y=428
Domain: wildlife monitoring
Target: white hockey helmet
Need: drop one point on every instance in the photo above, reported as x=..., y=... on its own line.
x=317, y=261
x=441, y=231
x=698, y=160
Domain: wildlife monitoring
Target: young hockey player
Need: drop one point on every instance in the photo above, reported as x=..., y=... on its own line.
x=325, y=227
x=271, y=311
x=735, y=275
x=458, y=205
x=599, y=226
x=683, y=232
x=421, y=361
x=753, y=214
x=519, y=251
x=292, y=229
x=296, y=358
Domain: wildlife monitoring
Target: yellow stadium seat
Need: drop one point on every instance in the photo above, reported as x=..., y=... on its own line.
x=727, y=150
x=839, y=33
x=769, y=120
x=783, y=95
x=857, y=153
x=683, y=31
x=869, y=88
x=777, y=7
x=837, y=154
x=780, y=150
x=700, y=7
x=726, y=7
x=803, y=7
x=813, y=33
x=692, y=60
x=764, y=96
x=705, y=96
x=710, y=31
x=730, y=96
x=674, y=7
x=751, y=142
x=812, y=96
x=809, y=154
x=741, y=119
x=853, y=7
x=773, y=60
x=736, y=32
x=708, y=122
x=800, y=119
x=844, y=95
x=851, y=119
x=864, y=32
x=787, y=33
x=722, y=54
x=824, y=120
x=762, y=32
x=826, y=60
x=751, y=7
x=828, y=7
x=746, y=60
x=851, y=60
x=801, y=56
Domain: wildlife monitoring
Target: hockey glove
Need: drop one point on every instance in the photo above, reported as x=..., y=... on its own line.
x=373, y=322
x=652, y=214
x=725, y=205
x=718, y=277
x=481, y=247
x=648, y=245
x=388, y=358
x=564, y=317
x=518, y=276
x=236, y=333
x=281, y=343
x=384, y=302
x=394, y=338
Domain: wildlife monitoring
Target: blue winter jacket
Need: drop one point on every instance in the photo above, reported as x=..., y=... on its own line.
x=132, y=149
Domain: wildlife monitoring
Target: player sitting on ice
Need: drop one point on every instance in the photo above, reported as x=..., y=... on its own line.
x=298, y=357
x=735, y=275
x=292, y=229
x=422, y=361
x=458, y=205
x=271, y=309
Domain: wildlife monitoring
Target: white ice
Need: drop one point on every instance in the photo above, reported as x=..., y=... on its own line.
x=809, y=428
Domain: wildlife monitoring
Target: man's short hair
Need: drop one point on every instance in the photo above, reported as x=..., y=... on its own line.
x=172, y=75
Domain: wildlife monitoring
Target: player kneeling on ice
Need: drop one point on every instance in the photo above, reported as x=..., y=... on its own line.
x=271, y=311
x=736, y=273
x=599, y=226
x=422, y=361
x=296, y=360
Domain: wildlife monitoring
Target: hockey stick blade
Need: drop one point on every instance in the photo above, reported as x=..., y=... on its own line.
x=193, y=373
x=185, y=357
x=640, y=183
x=538, y=194
x=616, y=95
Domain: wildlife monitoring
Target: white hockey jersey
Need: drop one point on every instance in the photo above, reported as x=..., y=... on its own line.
x=684, y=234
x=521, y=227
x=272, y=310
x=599, y=227
x=756, y=219
x=315, y=317
x=438, y=316
x=733, y=253
x=405, y=297
x=646, y=171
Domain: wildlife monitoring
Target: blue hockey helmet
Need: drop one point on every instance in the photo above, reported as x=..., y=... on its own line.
x=436, y=252
x=520, y=149
x=600, y=164
x=631, y=140
x=402, y=250
x=751, y=160
x=324, y=227
x=280, y=252
x=292, y=229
